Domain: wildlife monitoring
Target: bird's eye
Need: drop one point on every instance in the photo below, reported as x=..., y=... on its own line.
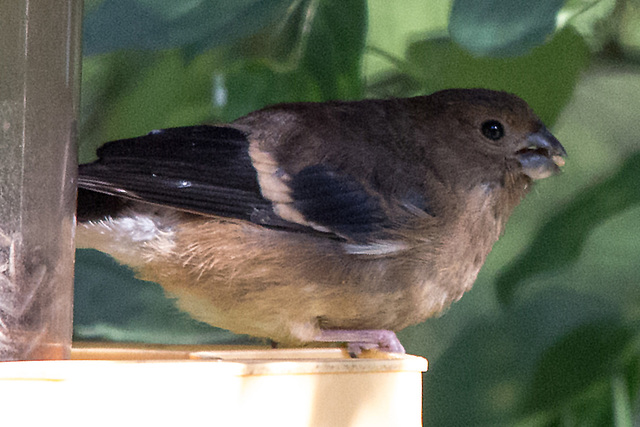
x=493, y=130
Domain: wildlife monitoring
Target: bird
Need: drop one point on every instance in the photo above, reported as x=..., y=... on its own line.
x=315, y=222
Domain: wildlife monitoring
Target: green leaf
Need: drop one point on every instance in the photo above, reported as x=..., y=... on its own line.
x=569, y=370
x=484, y=376
x=589, y=18
x=335, y=47
x=621, y=402
x=130, y=93
x=539, y=77
x=629, y=29
x=502, y=27
x=252, y=85
x=560, y=240
x=165, y=24
x=320, y=59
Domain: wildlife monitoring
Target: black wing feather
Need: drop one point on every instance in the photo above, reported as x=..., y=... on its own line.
x=207, y=170
x=200, y=169
x=339, y=202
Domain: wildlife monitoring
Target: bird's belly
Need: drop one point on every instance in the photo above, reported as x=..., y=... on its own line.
x=267, y=283
x=295, y=312
x=257, y=294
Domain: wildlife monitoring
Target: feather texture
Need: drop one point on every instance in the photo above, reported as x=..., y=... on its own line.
x=310, y=217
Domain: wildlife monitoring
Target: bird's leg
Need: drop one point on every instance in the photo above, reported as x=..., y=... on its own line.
x=366, y=339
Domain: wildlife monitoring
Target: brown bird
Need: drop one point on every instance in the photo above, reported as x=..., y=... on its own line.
x=336, y=221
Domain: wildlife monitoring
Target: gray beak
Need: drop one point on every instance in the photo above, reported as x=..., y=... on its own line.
x=542, y=155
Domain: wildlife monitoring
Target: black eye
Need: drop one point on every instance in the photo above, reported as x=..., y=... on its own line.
x=493, y=130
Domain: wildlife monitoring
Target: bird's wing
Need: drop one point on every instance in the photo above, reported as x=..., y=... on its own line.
x=208, y=170
x=200, y=169
x=329, y=200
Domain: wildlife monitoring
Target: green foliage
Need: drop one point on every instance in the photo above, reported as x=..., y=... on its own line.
x=538, y=359
x=502, y=27
x=539, y=77
x=550, y=334
x=164, y=24
x=560, y=241
x=582, y=358
x=299, y=57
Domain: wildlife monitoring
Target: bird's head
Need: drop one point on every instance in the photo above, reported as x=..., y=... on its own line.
x=501, y=129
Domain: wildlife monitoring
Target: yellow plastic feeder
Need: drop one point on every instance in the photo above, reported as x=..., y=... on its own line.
x=142, y=385
x=209, y=386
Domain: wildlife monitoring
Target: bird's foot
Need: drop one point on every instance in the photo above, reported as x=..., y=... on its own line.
x=366, y=339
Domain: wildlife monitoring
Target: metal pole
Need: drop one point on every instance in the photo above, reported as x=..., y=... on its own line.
x=39, y=90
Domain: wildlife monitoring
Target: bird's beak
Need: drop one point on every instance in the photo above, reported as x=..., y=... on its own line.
x=541, y=155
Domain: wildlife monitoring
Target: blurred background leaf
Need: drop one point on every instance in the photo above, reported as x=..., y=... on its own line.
x=162, y=24
x=163, y=88
x=502, y=27
x=538, y=77
x=550, y=333
x=585, y=358
x=560, y=241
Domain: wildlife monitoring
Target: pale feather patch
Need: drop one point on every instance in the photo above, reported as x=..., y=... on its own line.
x=133, y=238
x=416, y=211
x=274, y=186
x=384, y=247
x=289, y=213
x=272, y=179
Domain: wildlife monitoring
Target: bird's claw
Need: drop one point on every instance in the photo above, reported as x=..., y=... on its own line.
x=359, y=340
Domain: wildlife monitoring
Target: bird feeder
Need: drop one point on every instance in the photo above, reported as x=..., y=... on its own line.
x=102, y=385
